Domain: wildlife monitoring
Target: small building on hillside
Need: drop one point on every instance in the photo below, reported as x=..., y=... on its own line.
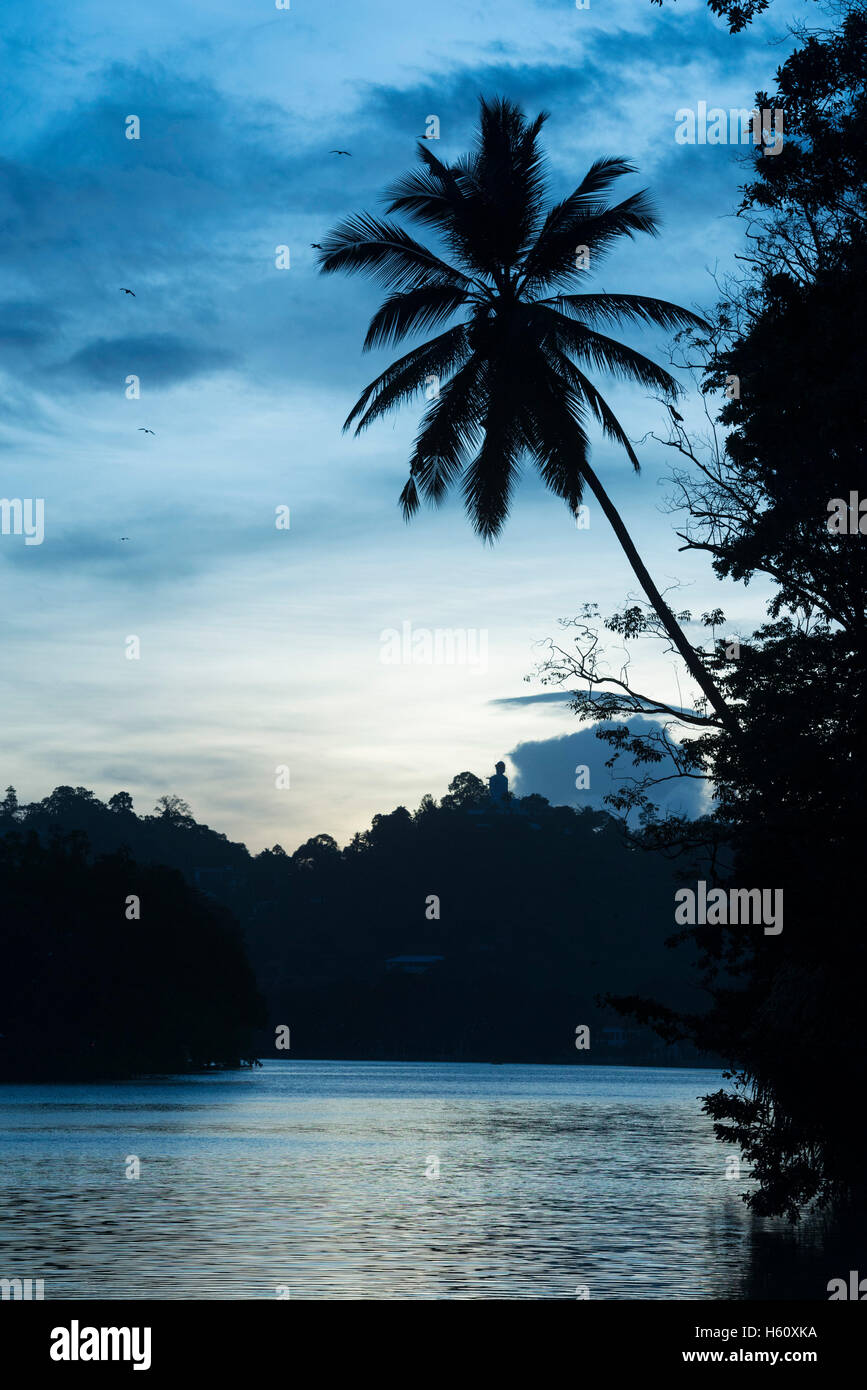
x=412, y=965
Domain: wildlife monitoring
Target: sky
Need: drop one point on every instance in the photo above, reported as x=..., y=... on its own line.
x=262, y=691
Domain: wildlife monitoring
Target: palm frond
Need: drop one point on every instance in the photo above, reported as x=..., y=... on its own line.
x=400, y=382
x=412, y=312
x=552, y=428
x=583, y=386
x=583, y=202
x=601, y=175
x=490, y=477
x=553, y=256
x=450, y=432
x=408, y=501
x=614, y=308
x=387, y=253
x=441, y=196
x=606, y=354
x=433, y=195
x=509, y=173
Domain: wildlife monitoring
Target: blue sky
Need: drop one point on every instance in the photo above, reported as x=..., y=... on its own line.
x=261, y=648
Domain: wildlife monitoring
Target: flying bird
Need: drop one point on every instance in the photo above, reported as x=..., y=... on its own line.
x=349, y=152
x=125, y=291
x=124, y=538
x=315, y=246
x=144, y=431
x=675, y=414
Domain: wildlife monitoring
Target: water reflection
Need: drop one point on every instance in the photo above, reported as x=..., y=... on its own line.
x=312, y=1175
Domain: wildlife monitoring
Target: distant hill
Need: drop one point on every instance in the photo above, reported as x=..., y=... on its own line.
x=460, y=931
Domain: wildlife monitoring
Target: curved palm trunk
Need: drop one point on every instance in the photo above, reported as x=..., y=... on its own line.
x=666, y=617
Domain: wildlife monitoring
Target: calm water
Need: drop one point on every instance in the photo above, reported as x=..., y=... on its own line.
x=312, y=1175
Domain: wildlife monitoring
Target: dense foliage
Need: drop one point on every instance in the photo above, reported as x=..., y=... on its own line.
x=113, y=968
x=530, y=913
x=789, y=782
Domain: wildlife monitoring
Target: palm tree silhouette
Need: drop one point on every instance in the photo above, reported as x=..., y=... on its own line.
x=514, y=386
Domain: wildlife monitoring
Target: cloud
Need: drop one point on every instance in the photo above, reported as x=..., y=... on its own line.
x=160, y=357
x=25, y=323
x=551, y=697
x=558, y=697
x=548, y=767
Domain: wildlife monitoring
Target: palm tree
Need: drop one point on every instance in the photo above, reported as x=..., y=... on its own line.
x=513, y=384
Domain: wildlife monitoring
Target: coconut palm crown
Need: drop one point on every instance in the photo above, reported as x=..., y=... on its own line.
x=513, y=371
x=508, y=382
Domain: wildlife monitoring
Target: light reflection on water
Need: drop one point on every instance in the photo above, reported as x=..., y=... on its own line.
x=312, y=1175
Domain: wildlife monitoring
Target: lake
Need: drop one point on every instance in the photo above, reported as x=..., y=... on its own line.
x=319, y=1178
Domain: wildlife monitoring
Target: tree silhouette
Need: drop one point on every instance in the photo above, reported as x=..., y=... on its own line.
x=465, y=792
x=738, y=14
x=514, y=386
x=786, y=1014
x=94, y=992
x=173, y=808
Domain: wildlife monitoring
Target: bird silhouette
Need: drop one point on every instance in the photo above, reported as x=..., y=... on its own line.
x=675, y=414
x=349, y=152
x=125, y=291
x=144, y=431
x=124, y=538
x=315, y=246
